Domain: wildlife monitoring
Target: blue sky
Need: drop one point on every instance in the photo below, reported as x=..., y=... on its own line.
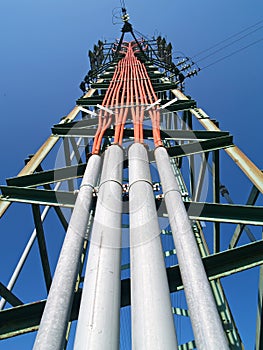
x=44, y=48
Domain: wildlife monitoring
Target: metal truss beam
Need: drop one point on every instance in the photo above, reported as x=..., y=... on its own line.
x=26, y=318
x=42, y=245
x=240, y=228
x=201, y=146
x=201, y=177
x=156, y=86
x=196, y=210
x=48, y=177
x=175, y=106
x=36, y=196
x=79, y=131
x=9, y=296
x=225, y=213
x=216, y=197
x=217, y=212
x=85, y=123
x=90, y=101
x=152, y=75
x=70, y=182
x=76, y=150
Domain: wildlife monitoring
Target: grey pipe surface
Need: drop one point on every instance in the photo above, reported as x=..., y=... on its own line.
x=152, y=319
x=54, y=322
x=206, y=323
x=99, y=316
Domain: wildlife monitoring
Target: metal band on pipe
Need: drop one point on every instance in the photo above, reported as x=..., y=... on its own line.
x=110, y=180
x=141, y=180
x=166, y=192
x=87, y=185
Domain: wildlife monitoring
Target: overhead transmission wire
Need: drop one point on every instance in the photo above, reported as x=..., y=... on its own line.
x=233, y=53
x=227, y=45
x=224, y=40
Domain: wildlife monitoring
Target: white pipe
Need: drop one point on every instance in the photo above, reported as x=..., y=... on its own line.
x=99, y=316
x=206, y=323
x=152, y=319
x=54, y=322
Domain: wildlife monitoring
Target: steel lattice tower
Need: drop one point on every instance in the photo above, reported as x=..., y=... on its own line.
x=135, y=159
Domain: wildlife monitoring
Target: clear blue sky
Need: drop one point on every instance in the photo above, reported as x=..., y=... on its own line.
x=44, y=48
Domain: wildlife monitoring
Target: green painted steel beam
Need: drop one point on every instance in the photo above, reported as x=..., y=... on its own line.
x=201, y=146
x=103, y=85
x=90, y=101
x=79, y=131
x=216, y=212
x=42, y=245
x=223, y=264
x=26, y=318
x=156, y=86
x=240, y=228
x=107, y=75
x=58, y=211
x=179, y=105
x=231, y=213
x=89, y=133
x=152, y=75
x=85, y=123
x=150, y=67
x=10, y=297
x=47, y=177
x=36, y=196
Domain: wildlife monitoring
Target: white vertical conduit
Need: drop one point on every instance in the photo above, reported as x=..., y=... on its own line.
x=206, y=323
x=98, y=325
x=55, y=318
x=152, y=319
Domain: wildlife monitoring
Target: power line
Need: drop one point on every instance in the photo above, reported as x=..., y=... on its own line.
x=224, y=40
x=231, y=43
x=233, y=53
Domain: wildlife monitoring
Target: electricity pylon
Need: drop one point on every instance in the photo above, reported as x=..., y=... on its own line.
x=136, y=159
